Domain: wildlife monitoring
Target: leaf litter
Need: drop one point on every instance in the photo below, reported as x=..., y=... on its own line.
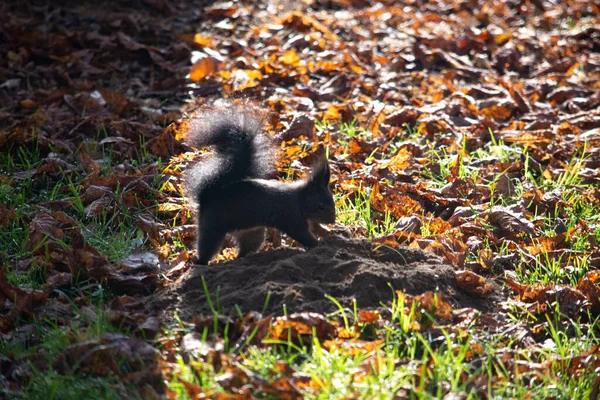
x=458, y=112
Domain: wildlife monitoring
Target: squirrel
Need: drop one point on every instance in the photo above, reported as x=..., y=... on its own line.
x=234, y=194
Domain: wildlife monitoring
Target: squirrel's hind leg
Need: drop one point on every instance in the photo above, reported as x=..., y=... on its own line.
x=209, y=243
x=249, y=240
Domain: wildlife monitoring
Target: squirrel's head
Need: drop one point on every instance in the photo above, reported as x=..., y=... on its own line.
x=317, y=202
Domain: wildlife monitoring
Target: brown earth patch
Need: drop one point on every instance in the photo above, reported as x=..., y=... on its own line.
x=339, y=267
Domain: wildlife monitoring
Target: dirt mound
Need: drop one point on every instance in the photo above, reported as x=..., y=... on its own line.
x=338, y=267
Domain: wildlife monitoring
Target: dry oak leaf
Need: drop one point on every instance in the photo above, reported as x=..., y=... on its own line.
x=88, y=163
x=166, y=143
x=46, y=233
x=472, y=283
x=100, y=206
x=101, y=357
x=508, y=220
x=301, y=325
x=305, y=23
x=497, y=108
x=399, y=162
x=398, y=204
x=434, y=303
x=353, y=347
x=301, y=125
x=368, y=316
x=195, y=39
x=203, y=68
x=407, y=115
x=570, y=300
x=589, y=285
x=23, y=300
x=148, y=224
x=7, y=215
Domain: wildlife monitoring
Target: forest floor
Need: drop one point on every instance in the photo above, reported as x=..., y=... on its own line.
x=464, y=143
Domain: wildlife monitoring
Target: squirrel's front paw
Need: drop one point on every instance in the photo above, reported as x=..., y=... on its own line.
x=199, y=261
x=318, y=230
x=341, y=231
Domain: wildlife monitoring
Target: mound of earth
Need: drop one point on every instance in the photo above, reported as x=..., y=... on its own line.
x=339, y=267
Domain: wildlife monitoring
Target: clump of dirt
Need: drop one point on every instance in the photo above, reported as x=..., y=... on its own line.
x=339, y=267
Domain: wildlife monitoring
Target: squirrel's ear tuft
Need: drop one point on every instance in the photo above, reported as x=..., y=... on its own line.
x=320, y=172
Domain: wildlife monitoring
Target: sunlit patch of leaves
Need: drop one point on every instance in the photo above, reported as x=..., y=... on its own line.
x=479, y=145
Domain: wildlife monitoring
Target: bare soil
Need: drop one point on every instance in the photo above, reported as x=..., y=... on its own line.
x=299, y=280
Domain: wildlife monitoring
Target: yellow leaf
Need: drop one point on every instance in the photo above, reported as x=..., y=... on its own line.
x=169, y=207
x=203, y=68
x=290, y=57
x=202, y=40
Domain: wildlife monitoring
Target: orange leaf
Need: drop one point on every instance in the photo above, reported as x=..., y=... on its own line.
x=204, y=67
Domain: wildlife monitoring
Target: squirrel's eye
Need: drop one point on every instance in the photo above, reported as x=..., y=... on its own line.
x=321, y=207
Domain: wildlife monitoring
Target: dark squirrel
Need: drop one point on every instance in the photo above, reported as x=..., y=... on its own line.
x=234, y=194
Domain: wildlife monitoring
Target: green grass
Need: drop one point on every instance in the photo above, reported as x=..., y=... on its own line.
x=470, y=363
x=113, y=233
x=411, y=362
x=48, y=341
x=54, y=386
x=357, y=211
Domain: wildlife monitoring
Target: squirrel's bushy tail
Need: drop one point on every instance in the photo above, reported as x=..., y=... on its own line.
x=241, y=150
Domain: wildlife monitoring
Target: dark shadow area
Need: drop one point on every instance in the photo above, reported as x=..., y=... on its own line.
x=74, y=69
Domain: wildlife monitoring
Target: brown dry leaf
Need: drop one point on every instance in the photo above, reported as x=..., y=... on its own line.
x=203, y=68
x=197, y=40
x=410, y=224
x=472, y=283
x=166, y=144
x=451, y=248
x=284, y=388
x=589, y=285
x=151, y=228
x=170, y=209
x=509, y=221
x=305, y=23
x=576, y=366
x=438, y=226
x=407, y=115
x=301, y=325
x=225, y=9
x=179, y=264
x=23, y=301
x=368, y=316
x=7, y=215
x=192, y=389
x=497, y=108
x=400, y=162
x=545, y=244
x=353, y=347
x=504, y=186
x=570, y=300
x=398, y=204
x=434, y=303
x=100, y=206
x=46, y=233
x=119, y=283
x=89, y=164
x=235, y=378
x=290, y=57
x=301, y=125
x=107, y=355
